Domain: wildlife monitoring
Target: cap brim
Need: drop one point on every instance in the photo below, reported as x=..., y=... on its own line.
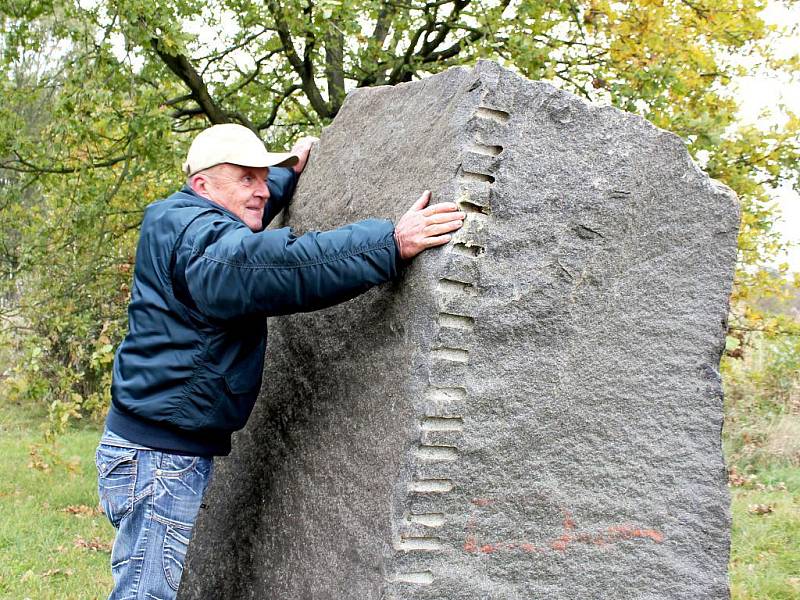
x=271, y=159
x=286, y=159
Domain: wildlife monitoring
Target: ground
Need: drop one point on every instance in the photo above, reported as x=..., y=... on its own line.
x=56, y=544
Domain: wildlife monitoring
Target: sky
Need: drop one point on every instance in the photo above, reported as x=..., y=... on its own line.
x=762, y=91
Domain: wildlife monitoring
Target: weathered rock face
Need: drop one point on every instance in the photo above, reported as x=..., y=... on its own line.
x=532, y=411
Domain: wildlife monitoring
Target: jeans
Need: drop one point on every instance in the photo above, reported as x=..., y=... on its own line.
x=152, y=499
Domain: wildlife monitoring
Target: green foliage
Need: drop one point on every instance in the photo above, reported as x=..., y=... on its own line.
x=100, y=99
x=762, y=395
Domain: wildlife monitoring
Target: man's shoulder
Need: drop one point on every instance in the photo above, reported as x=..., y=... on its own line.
x=178, y=203
x=178, y=210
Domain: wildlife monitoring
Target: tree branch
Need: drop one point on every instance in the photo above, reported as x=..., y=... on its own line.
x=457, y=47
x=276, y=107
x=382, y=25
x=223, y=53
x=28, y=167
x=178, y=100
x=181, y=67
x=250, y=77
x=303, y=68
x=334, y=67
x=400, y=68
x=187, y=112
x=444, y=29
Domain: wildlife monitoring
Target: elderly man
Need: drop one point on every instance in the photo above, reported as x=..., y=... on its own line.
x=186, y=376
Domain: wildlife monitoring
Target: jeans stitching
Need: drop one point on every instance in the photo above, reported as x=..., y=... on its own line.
x=167, y=571
x=150, y=568
x=131, y=490
x=170, y=523
x=142, y=549
x=177, y=474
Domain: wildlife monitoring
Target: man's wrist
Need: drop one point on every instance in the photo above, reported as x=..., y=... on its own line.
x=401, y=262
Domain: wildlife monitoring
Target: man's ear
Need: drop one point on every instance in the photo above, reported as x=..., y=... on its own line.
x=199, y=183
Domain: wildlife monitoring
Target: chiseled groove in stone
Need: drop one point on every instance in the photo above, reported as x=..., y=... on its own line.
x=427, y=519
x=473, y=207
x=469, y=176
x=467, y=249
x=486, y=149
x=455, y=321
x=419, y=544
x=431, y=486
x=451, y=286
x=437, y=453
x=458, y=355
x=418, y=578
x=474, y=232
x=493, y=114
x=477, y=213
x=446, y=394
x=442, y=424
x=479, y=162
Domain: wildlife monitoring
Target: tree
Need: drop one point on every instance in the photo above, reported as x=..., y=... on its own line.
x=130, y=81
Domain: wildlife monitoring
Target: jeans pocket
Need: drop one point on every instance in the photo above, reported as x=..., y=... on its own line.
x=179, y=485
x=116, y=481
x=174, y=553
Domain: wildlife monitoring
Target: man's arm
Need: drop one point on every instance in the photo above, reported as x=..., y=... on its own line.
x=281, y=181
x=232, y=271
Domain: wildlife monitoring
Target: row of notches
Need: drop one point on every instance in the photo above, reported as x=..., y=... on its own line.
x=458, y=297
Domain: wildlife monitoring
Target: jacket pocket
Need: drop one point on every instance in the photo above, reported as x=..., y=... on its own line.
x=246, y=377
x=215, y=402
x=116, y=481
x=241, y=386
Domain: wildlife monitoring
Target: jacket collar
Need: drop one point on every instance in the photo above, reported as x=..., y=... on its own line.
x=187, y=191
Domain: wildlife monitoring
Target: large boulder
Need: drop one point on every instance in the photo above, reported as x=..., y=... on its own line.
x=533, y=410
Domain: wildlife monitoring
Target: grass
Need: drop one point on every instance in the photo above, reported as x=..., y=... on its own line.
x=765, y=549
x=55, y=544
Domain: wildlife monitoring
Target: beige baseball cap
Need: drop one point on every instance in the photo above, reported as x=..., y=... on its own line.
x=231, y=143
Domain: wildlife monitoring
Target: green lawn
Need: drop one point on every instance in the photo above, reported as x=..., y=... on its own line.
x=55, y=544
x=765, y=553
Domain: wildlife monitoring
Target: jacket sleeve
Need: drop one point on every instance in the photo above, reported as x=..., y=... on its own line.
x=281, y=182
x=234, y=272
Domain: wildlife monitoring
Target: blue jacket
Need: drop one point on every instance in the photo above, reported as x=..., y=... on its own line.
x=188, y=372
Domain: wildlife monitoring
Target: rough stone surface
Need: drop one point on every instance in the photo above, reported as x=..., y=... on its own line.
x=533, y=411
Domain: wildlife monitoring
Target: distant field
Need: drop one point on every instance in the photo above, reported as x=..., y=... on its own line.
x=54, y=544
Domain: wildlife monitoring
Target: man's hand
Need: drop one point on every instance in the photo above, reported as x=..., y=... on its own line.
x=422, y=228
x=301, y=149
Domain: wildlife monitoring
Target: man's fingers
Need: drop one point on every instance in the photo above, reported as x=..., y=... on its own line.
x=441, y=207
x=305, y=143
x=440, y=228
x=426, y=226
x=422, y=201
x=437, y=240
x=445, y=217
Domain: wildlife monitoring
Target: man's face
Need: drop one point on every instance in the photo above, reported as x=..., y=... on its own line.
x=242, y=190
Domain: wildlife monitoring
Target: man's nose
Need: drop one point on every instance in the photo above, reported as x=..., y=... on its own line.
x=263, y=190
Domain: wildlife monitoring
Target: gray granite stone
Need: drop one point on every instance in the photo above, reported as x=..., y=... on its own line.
x=532, y=411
